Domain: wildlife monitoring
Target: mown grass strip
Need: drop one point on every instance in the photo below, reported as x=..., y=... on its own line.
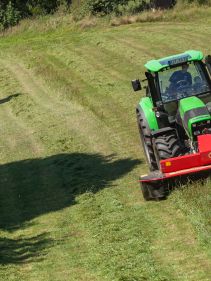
x=73, y=210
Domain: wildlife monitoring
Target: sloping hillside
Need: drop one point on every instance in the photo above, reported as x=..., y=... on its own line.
x=70, y=204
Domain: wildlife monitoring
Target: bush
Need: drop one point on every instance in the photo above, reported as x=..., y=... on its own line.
x=42, y=7
x=105, y=7
x=132, y=7
x=9, y=17
x=11, y=11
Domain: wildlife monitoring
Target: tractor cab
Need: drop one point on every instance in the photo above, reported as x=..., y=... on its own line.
x=173, y=78
x=183, y=81
x=177, y=77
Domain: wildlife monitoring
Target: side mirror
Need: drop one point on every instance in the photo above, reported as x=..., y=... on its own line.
x=136, y=85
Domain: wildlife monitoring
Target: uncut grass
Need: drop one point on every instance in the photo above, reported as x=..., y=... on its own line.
x=194, y=202
x=74, y=211
x=180, y=13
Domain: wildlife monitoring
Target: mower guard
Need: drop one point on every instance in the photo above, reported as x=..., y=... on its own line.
x=179, y=167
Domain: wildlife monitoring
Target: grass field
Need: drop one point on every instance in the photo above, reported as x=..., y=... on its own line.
x=70, y=204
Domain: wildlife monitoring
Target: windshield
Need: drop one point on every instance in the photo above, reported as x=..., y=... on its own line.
x=182, y=81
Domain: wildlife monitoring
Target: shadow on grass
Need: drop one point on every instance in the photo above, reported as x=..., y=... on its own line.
x=18, y=251
x=33, y=187
x=7, y=99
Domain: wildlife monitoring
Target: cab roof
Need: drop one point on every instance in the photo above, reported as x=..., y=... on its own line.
x=157, y=65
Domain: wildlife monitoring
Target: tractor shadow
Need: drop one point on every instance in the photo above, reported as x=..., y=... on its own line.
x=34, y=187
x=18, y=251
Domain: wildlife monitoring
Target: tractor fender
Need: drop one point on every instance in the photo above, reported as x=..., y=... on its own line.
x=145, y=108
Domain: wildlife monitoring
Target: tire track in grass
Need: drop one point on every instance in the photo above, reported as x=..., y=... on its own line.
x=73, y=116
x=17, y=142
x=119, y=134
x=120, y=118
x=115, y=65
x=36, y=146
x=134, y=43
x=145, y=39
x=122, y=42
x=167, y=41
x=59, y=72
x=110, y=72
x=104, y=99
x=137, y=52
x=33, y=87
x=15, y=132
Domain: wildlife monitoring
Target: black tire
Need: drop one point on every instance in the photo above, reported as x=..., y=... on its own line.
x=153, y=192
x=167, y=146
x=146, y=140
x=145, y=188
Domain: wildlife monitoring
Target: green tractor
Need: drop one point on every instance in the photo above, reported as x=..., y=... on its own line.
x=174, y=119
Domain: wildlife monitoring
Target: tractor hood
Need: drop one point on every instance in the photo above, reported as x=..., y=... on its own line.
x=193, y=113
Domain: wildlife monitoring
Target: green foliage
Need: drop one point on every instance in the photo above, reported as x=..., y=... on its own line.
x=105, y=7
x=96, y=7
x=42, y=7
x=12, y=11
x=9, y=17
x=132, y=7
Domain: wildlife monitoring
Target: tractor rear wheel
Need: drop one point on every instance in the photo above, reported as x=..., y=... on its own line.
x=146, y=140
x=167, y=146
